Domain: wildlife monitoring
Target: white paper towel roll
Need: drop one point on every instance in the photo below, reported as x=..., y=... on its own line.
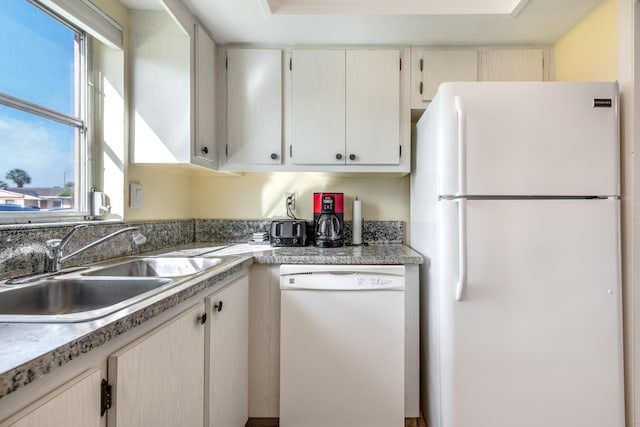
x=357, y=222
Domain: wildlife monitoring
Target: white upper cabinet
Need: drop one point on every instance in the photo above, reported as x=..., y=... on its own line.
x=431, y=66
x=161, y=88
x=439, y=66
x=173, y=92
x=254, y=107
x=204, y=150
x=373, y=107
x=318, y=106
x=514, y=64
x=346, y=110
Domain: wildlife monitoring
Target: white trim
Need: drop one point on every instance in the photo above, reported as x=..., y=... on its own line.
x=628, y=15
x=90, y=18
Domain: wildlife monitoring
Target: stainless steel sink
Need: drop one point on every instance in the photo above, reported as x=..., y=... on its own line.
x=74, y=299
x=100, y=290
x=158, y=267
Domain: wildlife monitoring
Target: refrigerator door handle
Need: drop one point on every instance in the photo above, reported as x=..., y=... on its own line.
x=462, y=248
x=462, y=147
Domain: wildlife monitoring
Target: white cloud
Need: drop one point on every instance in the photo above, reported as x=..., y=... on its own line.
x=44, y=149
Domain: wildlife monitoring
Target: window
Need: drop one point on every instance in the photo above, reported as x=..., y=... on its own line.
x=43, y=112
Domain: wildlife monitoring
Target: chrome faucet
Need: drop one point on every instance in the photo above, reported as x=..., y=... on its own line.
x=54, y=247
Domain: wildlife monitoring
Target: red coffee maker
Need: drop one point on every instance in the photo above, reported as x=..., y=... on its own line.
x=328, y=219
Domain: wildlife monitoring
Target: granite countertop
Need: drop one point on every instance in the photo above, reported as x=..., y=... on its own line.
x=30, y=350
x=369, y=254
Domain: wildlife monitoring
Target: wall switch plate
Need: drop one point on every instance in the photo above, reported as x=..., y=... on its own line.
x=136, y=195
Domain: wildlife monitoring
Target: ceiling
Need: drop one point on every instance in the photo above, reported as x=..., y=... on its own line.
x=386, y=22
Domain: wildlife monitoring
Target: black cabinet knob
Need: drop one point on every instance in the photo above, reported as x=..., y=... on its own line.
x=274, y=156
x=352, y=156
x=218, y=306
x=339, y=156
x=202, y=318
x=205, y=150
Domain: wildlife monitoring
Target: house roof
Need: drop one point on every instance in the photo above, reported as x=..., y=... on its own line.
x=38, y=192
x=14, y=194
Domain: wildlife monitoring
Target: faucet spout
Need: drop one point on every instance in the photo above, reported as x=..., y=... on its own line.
x=54, y=247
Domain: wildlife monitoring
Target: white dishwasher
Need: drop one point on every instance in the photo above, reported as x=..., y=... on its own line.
x=342, y=345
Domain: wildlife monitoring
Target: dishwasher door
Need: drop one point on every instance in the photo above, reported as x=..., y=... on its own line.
x=342, y=346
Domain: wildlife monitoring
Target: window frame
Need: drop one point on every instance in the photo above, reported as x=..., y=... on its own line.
x=84, y=125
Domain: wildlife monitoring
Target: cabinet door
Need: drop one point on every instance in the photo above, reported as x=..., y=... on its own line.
x=318, y=106
x=439, y=66
x=160, y=53
x=228, y=353
x=514, y=65
x=159, y=379
x=74, y=405
x=264, y=341
x=254, y=106
x=372, y=106
x=204, y=150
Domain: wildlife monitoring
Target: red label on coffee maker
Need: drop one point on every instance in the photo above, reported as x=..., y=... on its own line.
x=328, y=203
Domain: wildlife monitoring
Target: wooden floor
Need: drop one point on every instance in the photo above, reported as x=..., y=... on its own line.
x=273, y=422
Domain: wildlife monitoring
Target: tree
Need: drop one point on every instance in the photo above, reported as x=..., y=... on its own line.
x=3, y=185
x=19, y=176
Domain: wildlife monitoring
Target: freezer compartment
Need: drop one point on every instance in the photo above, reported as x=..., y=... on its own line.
x=535, y=338
x=526, y=138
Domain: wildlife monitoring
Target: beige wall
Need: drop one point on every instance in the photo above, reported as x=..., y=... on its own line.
x=588, y=52
x=263, y=195
x=168, y=192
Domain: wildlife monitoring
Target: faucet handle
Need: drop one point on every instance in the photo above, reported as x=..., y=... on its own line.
x=52, y=244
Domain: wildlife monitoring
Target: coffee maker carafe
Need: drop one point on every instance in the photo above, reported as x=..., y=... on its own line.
x=328, y=218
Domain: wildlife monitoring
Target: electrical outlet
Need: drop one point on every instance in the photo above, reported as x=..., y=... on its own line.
x=290, y=201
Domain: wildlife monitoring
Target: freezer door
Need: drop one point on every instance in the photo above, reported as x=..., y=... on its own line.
x=528, y=138
x=536, y=337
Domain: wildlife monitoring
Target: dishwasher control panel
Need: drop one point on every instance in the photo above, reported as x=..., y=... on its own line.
x=342, y=277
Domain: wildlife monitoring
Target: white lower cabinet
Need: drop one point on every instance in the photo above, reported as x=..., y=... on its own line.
x=158, y=380
x=186, y=367
x=227, y=355
x=75, y=404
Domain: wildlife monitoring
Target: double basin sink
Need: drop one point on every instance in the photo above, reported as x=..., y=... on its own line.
x=98, y=291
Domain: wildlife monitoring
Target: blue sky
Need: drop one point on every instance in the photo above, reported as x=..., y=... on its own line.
x=37, y=65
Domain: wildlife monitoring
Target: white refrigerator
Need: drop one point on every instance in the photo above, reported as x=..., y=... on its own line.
x=515, y=206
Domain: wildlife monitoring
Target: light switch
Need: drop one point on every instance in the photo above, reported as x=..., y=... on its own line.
x=136, y=195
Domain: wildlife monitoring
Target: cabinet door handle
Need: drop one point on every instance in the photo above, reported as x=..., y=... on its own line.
x=274, y=156
x=218, y=306
x=352, y=156
x=205, y=150
x=202, y=318
x=338, y=156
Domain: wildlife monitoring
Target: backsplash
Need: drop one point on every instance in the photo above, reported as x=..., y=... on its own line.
x=22, y=246
x=239, y=231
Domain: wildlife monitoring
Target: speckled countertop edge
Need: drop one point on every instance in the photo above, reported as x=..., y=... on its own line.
x=68, y=341
x=34, y=359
